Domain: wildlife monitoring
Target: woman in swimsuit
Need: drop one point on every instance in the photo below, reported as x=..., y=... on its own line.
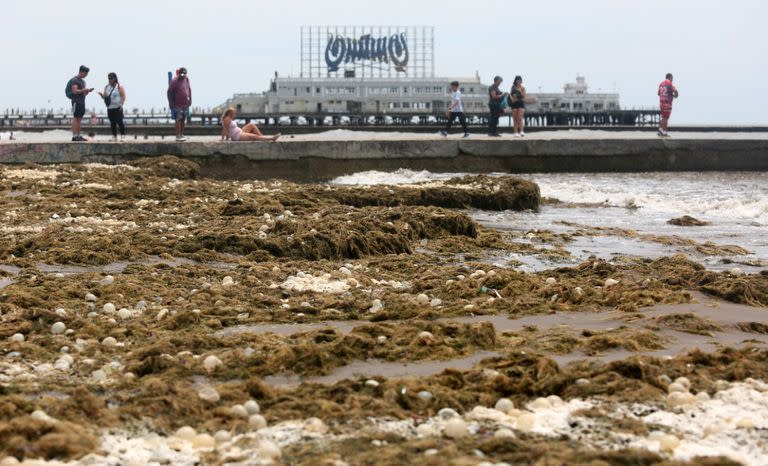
x=249, y=132
x=517, y=105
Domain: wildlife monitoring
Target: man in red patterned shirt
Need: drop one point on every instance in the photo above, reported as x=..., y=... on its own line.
x=667, y=93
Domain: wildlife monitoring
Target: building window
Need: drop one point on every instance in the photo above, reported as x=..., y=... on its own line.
x=317, y=90
x=309, y=89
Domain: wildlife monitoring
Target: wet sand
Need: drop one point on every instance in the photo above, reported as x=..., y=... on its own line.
x=724, y=322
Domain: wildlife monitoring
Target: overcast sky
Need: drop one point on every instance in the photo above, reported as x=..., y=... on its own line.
x=714, y=48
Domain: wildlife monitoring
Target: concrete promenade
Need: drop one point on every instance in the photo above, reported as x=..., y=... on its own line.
x=319, y=158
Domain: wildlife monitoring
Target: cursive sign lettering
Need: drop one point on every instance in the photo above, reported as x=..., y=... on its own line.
x=392, y=49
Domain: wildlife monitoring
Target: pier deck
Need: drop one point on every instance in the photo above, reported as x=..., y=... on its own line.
x=312, y=157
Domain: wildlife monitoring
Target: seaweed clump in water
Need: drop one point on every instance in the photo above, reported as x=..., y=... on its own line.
x=687, y=221
x=479, y=192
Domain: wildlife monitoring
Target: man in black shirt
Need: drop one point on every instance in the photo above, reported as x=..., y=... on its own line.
x=78, y=91
x=494, y=104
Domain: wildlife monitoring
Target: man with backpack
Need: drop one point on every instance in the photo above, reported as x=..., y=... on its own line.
x=76, y=92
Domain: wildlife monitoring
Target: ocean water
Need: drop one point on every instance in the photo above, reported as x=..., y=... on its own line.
x=735, y=204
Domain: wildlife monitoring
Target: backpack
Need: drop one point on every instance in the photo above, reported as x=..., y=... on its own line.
x=68, y=90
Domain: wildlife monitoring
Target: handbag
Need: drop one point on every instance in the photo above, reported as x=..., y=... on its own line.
x=108, y=97
x=504, y=102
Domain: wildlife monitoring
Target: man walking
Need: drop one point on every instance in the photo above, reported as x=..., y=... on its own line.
x=667, y=93
x=455, y=110
x=179, y=101
x=494, y=104
x=76, y=91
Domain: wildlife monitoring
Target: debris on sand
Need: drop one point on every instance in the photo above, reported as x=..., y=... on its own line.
x=153, y=322
x=707, y=248
x=168, y=166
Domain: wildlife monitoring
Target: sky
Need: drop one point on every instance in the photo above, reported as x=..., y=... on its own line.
x=714, y=48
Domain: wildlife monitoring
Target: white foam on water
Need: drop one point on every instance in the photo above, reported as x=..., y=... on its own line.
x=397, y=177
x=741, y=196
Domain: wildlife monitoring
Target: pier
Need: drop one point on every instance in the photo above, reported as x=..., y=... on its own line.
x=305, y=158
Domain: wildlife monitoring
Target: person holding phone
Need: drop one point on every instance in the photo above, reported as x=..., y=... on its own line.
x=77, y=93
x=517, y=105
x=114, y=99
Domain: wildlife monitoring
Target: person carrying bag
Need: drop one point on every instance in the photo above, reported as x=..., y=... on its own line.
x=114, y=99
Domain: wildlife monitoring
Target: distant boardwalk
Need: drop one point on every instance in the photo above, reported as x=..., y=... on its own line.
x=200, y=121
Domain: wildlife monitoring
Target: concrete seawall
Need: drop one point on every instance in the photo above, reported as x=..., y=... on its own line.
x=323, y=159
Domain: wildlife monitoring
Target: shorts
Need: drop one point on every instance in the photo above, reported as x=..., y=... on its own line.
x=180, y=113
x=517, y=104
x=666, y=109
x=78, y=109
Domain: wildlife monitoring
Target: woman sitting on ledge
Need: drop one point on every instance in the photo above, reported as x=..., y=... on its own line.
x=249, y=132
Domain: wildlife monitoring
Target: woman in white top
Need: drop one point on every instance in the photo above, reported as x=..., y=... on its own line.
x=249, y=132
x=114, y=98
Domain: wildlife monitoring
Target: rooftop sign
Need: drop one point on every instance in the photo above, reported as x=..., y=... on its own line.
x=342, y=50
x=367, y=51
